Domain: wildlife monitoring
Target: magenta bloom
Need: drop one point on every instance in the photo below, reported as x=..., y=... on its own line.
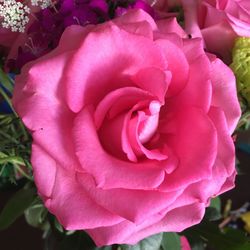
x=45, y=32
x=131, y=128
x=184, y=243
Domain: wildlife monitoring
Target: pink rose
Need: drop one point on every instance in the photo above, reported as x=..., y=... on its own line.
x=184, y=243
x=221, y=21
x=131, y=128
x=11, y=41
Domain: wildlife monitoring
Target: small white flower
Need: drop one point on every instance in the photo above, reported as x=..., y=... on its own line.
x=41, y=3
x=13, y=15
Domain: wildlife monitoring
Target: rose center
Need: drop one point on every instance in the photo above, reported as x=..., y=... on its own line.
x=149, y=123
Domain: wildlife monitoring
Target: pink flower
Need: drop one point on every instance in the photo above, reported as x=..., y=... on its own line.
x=184, y=243
x=221, y=21
x=131, y=128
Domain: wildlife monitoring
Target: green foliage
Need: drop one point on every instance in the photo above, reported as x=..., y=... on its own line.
x=36, y=215
x=213, y=212
x=6, y=81
x=16, y=206
x=171, y=241
x=211, y=235
x=240, y=66
x=14, y=141
x=241, y=69
x=216, y=203
x=150, y=243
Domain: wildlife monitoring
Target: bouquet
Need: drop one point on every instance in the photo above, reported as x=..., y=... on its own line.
x=118, y=120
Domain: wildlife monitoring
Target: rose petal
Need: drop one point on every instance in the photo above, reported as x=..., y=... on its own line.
x=225, y=93
x=44, y=176
x=73, y=207
x=133, y=205
x=145, y=175
x=153, y=80
x=49, y=120
x=129, y=233
x=177, y=65
x=196, y=150
x=106, y=70
x=197, y=90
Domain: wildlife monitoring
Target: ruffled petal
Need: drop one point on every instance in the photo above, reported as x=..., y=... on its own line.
x=225, y=93
x=104, y=68
x=129, y=233
x=44, y=171
x=133, y=205
x=177, y=65
x=94, y=160
x=197, y=91
x=196, y=151
x=73, y=207
x=49, y=119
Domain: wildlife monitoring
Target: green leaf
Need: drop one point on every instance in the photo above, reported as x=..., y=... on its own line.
x=213, y=212
x=150, y=243
x=104, y=248
x=171, y=241
x=216, y=203
x=36, y=216
x=58, y=226
x=232, y=239
x=194, y=240
x=16, y=206
x=6, y=81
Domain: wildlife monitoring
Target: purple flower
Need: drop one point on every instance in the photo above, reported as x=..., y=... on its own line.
x=123, y=6
x=45, y=32
x=49, y=24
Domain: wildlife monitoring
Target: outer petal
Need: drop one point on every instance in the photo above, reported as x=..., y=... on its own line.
x=73, y=207
x=225, y=93
x=119, y=201
x=218, y=43
x=226, y=149
x=170, y=25
x=108, y=69
x=135, y=16
x=44, y=176
x=49, y=119
x=129, y=233
x=184, y=243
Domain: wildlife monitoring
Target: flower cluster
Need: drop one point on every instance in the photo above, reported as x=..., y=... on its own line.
x=41, y=3
x=14, y=15
x=44, y=33
x=241, y=66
